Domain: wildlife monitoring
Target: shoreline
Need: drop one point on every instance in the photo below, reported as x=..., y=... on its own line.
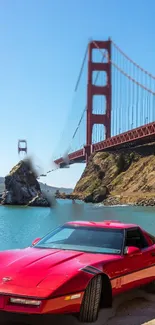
x=126, y=199
x=140, y=199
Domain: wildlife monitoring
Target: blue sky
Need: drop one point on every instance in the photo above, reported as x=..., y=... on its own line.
x=42, y=43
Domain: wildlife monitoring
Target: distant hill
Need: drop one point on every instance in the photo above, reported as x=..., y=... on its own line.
x=44, y=187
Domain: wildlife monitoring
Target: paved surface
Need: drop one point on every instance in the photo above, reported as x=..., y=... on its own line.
x=135, y=308
x=137, y=312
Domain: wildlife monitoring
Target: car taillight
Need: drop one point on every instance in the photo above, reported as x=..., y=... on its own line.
x=22, y=301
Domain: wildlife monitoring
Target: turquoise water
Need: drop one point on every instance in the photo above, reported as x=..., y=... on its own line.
x=20, y=226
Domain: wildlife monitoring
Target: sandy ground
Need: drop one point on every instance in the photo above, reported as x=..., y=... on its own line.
x=134, y=308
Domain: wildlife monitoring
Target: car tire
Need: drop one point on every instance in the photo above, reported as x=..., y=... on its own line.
x=91, y=301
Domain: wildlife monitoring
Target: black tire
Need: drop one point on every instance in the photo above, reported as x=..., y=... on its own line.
x=91, y=301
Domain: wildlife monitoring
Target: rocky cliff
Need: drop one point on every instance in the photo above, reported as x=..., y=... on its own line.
x=22, y=187
x=126, y=176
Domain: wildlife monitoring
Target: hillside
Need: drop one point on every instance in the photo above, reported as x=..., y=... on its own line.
x=52, y=189
x=44, y=187
x=126, y=176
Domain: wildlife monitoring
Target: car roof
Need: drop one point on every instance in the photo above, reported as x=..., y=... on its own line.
x=113, y=224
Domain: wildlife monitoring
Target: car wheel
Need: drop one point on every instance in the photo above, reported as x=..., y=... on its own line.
x=91, y=301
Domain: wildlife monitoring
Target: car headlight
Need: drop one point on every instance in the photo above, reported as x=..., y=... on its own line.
x=22, y=301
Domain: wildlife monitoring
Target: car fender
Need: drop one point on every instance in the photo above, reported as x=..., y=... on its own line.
x=71, y=281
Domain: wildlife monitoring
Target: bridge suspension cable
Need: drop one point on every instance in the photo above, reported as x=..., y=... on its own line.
x=75, y=91
x=133, y=62
x=81, y=70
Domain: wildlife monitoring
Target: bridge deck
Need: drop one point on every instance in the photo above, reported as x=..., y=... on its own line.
x=143, y=134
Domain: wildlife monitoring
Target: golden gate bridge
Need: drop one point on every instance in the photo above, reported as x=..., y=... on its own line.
x=119, y=108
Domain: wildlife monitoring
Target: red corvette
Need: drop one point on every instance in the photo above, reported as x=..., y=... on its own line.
x=77, y=269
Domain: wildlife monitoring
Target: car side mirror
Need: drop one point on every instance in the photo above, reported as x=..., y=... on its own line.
x=131, y=250
x=35, y=241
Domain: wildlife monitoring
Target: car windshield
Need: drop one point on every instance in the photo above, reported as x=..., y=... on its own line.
x=85, y=239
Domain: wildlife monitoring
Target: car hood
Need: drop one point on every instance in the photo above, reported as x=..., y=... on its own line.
x=30, y=266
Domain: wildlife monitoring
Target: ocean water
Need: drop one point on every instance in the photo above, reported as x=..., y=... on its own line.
x=19, y=226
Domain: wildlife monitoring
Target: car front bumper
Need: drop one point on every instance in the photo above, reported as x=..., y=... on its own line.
x=61, y=305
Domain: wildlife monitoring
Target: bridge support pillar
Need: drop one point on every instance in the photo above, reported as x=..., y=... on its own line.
x=88, y=150
x=92, y=90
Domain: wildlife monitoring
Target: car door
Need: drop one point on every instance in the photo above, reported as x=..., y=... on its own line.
x=140, y=265
x=149, y=257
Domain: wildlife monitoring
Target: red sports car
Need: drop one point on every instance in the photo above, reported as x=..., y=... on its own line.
x=77, y=269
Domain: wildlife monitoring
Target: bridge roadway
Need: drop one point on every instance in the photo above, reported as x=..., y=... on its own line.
x=134, y=308
x=140, y=135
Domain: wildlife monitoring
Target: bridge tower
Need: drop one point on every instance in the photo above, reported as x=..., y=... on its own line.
x=22, y=146
x=92, y=90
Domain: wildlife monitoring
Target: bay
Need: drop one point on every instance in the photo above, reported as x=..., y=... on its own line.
x=19, y=226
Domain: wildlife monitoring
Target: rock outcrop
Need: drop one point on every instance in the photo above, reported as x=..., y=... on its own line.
x=71, y=196
x=39, y=201
x=119, y=177
x=145, y=201
x=97, y=196
x=22, y=187
x=1, y=197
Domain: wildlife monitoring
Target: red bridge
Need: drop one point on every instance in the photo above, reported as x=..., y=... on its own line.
x=119, y=108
